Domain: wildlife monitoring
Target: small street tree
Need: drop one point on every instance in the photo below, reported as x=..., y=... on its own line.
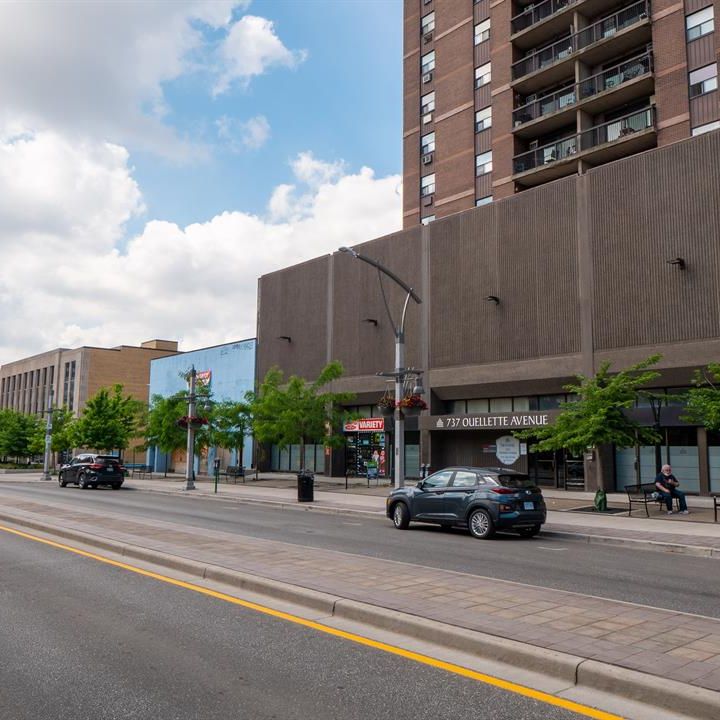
x=230, y=423
x=162, y=429
x=110, y=420
x=703, y=400
x=63, y=429
x=596, y=416
x=21, y=435
x=298, y=411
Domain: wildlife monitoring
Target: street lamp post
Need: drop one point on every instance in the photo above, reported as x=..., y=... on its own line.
x=48, y=437
x=190, y=464
x=401, y=373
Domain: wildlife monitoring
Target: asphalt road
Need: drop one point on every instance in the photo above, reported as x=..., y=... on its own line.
x=80, y=640
x=665, y=580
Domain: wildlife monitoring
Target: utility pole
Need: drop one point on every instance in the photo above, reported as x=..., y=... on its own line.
x=190, y=465
x=48, y=436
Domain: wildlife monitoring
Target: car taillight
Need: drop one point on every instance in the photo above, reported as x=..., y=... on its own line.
x=121, y=468
x=503, y=490
x=96, y=466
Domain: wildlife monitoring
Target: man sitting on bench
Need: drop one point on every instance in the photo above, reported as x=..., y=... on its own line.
x=667, y=484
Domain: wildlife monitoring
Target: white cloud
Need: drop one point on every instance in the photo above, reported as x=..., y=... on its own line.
x=63, y=281
x=239, y=136
x=251, y=48
x=96, y=70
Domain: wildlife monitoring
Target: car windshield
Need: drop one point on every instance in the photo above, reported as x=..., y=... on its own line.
x=106, y=460
x=516, y=481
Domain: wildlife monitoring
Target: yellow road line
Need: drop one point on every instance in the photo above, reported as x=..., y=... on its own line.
x=352, y=637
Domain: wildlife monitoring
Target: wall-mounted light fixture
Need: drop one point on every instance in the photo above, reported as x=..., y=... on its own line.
x=493, y=299
x=285, y=337
x=373, y=321
x=680, y=262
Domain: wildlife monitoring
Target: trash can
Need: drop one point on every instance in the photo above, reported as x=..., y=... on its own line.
x=305, y=486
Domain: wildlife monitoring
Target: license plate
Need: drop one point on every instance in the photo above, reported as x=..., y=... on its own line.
x=528, y=506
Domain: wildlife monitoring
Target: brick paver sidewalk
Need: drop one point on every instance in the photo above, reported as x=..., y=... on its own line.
x=660, y=642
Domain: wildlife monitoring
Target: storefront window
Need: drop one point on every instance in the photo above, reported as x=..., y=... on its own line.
x=713, y=440
x=521, y=404
x=682, y=454
x=625, y=468
x=457, y=407
x=501, y=405
x=550, y=402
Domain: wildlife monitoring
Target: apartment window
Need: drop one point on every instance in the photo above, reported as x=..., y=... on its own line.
x=482, y=31
x=700, y=23
x=700, y=129
x=703, y=80
x=482, y=75
x=483, y=119
x=427, y=62
x=483, y=163
x=427, y=219
x=427, y=143
x=427, y=24
x=483, y=201
x=427, y=103
x=427, y=185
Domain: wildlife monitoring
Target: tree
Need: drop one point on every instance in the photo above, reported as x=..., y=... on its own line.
x=162, y=429
x=230, y=423
x=19, y=434
x=299, y=411
x=596, y=416
x=64, y=431
x=109, y=420
x=703, y=400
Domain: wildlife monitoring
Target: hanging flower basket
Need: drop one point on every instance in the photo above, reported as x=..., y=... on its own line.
x=412, y=405
x=193, y=422
x=386, y=405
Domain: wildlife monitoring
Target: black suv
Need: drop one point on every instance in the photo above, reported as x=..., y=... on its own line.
x=482, y=499
x=90, y=470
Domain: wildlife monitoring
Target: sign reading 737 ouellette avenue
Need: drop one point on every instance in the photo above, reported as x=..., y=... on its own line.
x=488, y=421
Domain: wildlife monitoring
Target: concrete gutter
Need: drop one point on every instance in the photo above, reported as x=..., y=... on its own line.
x=599, y=684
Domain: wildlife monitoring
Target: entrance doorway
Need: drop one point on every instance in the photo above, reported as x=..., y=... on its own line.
x=557, y=469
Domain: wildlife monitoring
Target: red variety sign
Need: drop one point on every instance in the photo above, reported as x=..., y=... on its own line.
x=365, y=425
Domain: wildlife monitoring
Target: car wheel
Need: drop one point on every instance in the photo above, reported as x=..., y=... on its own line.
x=529, y=531
x=481, y=525
x=83, y=483
x=401, y=516
x=116, y=486
x=61, y=481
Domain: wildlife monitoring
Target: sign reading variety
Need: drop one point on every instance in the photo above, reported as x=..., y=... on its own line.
x=365, y=425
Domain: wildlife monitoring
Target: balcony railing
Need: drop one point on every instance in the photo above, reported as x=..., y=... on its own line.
x=587, y=36
x=612, y=77
x=598, y=135
x=533, y=14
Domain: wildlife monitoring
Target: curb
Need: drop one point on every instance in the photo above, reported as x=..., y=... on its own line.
x=577, y=673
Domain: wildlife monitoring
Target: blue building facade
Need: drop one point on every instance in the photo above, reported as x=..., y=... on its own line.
x=228, y=369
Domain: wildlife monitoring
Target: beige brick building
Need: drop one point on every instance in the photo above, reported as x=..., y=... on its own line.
x=77, y=374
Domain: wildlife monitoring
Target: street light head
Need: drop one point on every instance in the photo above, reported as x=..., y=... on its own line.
x=348, y=250
x=493, y=299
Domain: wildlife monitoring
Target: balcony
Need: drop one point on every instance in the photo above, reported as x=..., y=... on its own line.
x=547, y=13
x=616, y=86
x=600, y=144
x=613, y=35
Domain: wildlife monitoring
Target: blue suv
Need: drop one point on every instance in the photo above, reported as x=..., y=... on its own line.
x=482, y=499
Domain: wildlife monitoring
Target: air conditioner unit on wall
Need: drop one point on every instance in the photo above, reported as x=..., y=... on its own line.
x=427, y=118
x=533, y=145
x=427, y=37
x=427, y=77
x=427, y=159
x=428, y=200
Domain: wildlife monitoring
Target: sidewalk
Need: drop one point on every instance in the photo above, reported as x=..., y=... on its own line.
x=662, y=657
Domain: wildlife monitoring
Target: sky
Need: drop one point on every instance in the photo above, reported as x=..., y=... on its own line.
x=158, y=157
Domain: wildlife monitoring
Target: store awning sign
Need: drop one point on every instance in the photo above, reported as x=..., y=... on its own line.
x=497, y=421
x=365, y=425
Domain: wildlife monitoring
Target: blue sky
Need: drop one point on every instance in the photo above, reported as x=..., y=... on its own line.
x=344, y=101
x=162, y=143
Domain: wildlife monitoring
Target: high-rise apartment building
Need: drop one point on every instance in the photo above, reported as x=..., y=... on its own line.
x=505, y=95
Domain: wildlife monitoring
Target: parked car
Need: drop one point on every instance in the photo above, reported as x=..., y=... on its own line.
x=92, y=470
x=482, y=499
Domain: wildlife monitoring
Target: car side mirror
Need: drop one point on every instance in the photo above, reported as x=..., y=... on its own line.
x=420, y=485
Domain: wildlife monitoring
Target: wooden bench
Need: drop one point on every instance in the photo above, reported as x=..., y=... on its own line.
x=644, y=494
x=234, y=471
